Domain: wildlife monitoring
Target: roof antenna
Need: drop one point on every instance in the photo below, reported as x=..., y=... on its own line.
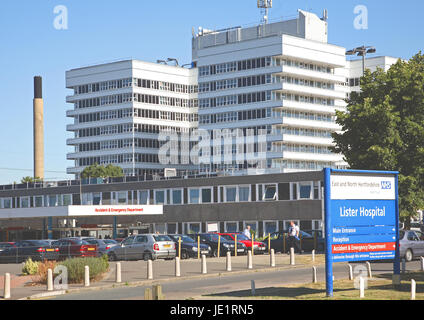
x=264, y=5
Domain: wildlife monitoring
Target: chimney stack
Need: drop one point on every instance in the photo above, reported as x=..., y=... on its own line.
x=38, y=128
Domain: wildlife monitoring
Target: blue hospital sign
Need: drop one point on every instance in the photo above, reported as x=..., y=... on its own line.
x=361, y=216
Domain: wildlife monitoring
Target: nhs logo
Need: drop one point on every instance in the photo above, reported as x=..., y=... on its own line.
x=386, y=185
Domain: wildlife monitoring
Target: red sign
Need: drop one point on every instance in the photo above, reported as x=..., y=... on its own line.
x=364, y=247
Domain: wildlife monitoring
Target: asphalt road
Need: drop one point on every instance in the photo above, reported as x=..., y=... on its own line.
x=185, y=289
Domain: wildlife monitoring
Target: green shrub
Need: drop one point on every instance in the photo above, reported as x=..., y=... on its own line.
x=76, y=268
x=30, y=268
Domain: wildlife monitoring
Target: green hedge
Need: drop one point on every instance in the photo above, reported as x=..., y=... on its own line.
x=76, y=268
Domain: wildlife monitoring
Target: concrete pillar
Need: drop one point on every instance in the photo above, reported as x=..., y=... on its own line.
x=177, y=267
x=413, y=289
x=292, y=257
x=272, y=258
x=422, y=263
x=229, y=261
x=49, y=280
x=149, y=270
x=369, y=270
x=314, y=275
x=249, y=260
x=361, y=288
x=7, y=294
x=313, y=255
x=118, y=276
x=204, y=267
x=86, y=276
x=350, y=272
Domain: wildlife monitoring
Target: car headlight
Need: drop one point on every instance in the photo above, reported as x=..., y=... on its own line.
x=226, y=245
x=243, y=245
x=209, y=248
x=194, y=249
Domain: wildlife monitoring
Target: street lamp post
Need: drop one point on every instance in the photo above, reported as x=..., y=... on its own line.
x=362, y=52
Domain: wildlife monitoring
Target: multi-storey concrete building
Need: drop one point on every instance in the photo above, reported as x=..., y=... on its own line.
x=284, y=78
x=120, y=108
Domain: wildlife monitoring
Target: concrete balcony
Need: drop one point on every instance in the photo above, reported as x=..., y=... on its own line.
x=317, y=141
x=312, y=75
x=300, y=89
x=311, y=124
x=299, y=156
x=308, y=107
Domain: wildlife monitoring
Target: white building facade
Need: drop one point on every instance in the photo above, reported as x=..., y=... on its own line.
x=119, y=110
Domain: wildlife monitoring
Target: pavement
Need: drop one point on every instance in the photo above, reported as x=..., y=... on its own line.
x=134, y=273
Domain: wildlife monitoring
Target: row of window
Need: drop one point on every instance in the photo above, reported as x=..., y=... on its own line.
x=308, y=190
x=304, y=82
x=104, y=115
x=303, y=115
x=245, y=98
x=304, y=99
x=303, y=65
x=129, y=82
x=118, y=158
x=117, y=144
x=300, y=148
x=235, y=116
x=302, y=165
x=166, y=115
x=303, y=132
x=235, y=66
x=235, y=83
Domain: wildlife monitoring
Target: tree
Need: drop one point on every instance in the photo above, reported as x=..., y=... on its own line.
x=30, y=180
x=97, y=171
x=383, y=129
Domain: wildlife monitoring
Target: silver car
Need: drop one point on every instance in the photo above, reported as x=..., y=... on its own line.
x=144, y=247
x=411, y=244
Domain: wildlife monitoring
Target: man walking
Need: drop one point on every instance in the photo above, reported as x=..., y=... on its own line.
x=247, y=233
x=294, y=232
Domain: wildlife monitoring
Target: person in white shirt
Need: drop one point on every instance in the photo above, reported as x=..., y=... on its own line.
x=247, y=233
x=294, y=232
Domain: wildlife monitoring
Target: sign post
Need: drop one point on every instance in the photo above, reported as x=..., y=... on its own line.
x=361, y=218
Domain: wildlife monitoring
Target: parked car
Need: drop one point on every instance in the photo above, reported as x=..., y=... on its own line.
x=103, y=245
x=37, y=250
x=211, y=239
x=4, y=245
x=258, y=247
x=307, y=242
x=75, y=248
x=144, y=247
x=411, y=244
x=189, y=248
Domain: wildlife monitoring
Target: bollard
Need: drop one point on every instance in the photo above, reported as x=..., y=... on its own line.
x=7, y=294
x=253, y=245
x=314, y=275
x=350, y=272
x=150, y=270
x=269, y=243
x=403, y=266
x=118, y=278
x=49, y=280
x=179, y=247
x=198, y=247
x=272, y=262
x=284, y=243
x=157, y=292
x=219, y=247
x=177, y=267
x=313, y=255
x=361, y=288
x=422, y=263
x=204, y=268
x=249, y=260
x=148, y=294
x=292, y=258
x=369, y=270
x=228, y=261
x=235, y=245
x=413, y=289
x=86, y=276
x=253, y=287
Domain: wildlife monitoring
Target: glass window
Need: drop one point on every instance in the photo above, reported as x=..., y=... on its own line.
x=270, y=227
x=52, y=201
x=159, y=197
x=177, y=197
x=25, y=202
x=206, y=195
x=244, y=194
x=38, y=201
x=193, y=228
x=194, y=196
x=86, y=199
x=67, y=200
x=172, y=228
x=122, y=197
x=97, y=199
x=270, y=192
x=143, y=197
x=230, y=193
x=305, y=190
x=231, y=227
x=160, y=228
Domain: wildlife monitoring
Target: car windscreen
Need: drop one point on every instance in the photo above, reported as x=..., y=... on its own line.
x=80, y=242
x=242, y=237
x=227, y=237
x=39, y=243
x=110, y=241
x=91, y=241
x=161, y=238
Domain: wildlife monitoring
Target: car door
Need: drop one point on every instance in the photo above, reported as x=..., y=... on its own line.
x=419, y=251
x=125, y=249
x=138, y=247
x=412, y=242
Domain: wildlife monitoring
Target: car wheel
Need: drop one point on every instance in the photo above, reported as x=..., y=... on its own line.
x=409, y=255
x=184, y=255
x=147, y=256
x=112, y=257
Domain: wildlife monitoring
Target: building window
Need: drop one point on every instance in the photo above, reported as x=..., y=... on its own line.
x=244, y=194
x=253, y=227
x=38, y=201
x=207, y=195
x=177, y=196
x=194, y=196
x=230, y=194
x=270, y=227
x=53, y=201
x=193, y=227
x=143, y=197
x=67, y=200
x=305, y=190
x=159, y=196
x=160, y=228
x=97, y=198
x=231, y=227
x=172, y=228
x=286, y=224
x=270, y=192
x=25, y=203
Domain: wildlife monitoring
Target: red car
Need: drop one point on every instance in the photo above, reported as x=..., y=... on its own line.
x=75, y=248
x=258, y=247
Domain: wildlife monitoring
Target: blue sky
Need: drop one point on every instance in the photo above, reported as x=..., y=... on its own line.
x=101, y=31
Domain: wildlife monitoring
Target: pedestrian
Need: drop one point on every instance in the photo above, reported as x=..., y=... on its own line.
x=294, y=239
x=247, y=233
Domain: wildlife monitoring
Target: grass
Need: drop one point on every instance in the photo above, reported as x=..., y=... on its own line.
x=379, y=288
